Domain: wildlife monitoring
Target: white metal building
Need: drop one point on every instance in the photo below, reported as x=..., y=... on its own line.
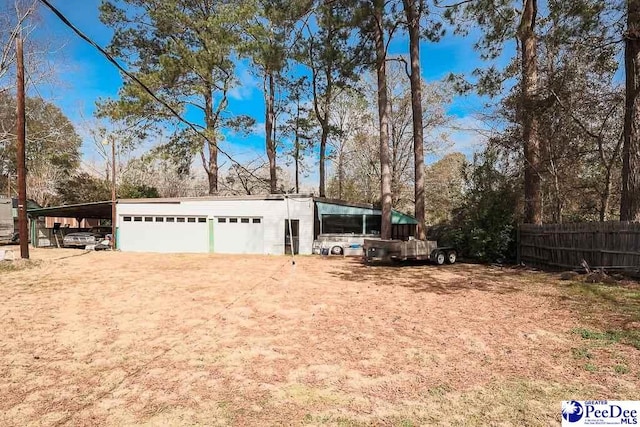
x=227, y=225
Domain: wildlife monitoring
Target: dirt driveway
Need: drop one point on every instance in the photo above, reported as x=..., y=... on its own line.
x=124, y=339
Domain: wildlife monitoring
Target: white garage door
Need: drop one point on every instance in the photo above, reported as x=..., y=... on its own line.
x=238, y=235
x=173, y=234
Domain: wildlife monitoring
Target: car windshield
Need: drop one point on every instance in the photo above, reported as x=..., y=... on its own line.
x=100, y=230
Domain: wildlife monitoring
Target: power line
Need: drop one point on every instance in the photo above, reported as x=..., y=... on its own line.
x=132, y=77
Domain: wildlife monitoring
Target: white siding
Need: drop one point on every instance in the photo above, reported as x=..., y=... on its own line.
x=272, y=213
x=154, y=236
x=239, y=235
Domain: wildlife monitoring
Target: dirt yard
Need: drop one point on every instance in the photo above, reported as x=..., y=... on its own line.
x=126, y=339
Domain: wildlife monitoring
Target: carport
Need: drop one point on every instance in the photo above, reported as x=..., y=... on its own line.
x=91, y=210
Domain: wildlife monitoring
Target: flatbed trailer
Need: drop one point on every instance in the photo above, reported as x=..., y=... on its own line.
x=408, y=250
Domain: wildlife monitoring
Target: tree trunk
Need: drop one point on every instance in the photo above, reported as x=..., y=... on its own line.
x=269, y=124
x=213, y=183
x=528, y=113
x=630, y=197
x=558, y=199
x=324, y=135
x=211, y=167
x=393, y=153
x=323, y=155
x=412, y=12
x=383, y=115
x=296, y=151
x=605, y=197
x=297, y=162
x=340, y=173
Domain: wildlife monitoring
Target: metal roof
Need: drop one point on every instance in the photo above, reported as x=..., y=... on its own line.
x=214, y=198
x=96, y=210
x=102, y=210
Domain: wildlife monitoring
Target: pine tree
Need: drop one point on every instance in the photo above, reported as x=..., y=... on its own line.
x=630, y=200
x=331, y=60
x=183, y=51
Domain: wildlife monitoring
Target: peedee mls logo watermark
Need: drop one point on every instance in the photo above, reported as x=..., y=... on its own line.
x=600, y=412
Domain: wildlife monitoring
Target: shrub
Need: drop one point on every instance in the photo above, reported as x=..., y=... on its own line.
x=484, y=226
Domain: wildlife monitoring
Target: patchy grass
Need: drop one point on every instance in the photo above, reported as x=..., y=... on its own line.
x=614, y=309
x=621, y=369
x=607, y=337
x=332, y=420
x=582, y=353
x=439, y=390
x=150, y=339
x=18, y=265
x=590, y=367
x=610, y=321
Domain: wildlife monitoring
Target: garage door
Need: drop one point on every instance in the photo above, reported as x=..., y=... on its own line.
x=176, y=234
x=238, y=235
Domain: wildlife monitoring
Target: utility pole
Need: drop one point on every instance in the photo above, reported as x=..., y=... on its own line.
x=113, y=193
x=23, y=230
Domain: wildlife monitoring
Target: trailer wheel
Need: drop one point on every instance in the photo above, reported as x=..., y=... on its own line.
x=336, y=250
x=440, y=258
x=452, y=256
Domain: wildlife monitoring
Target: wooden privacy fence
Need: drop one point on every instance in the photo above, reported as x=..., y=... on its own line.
x=607, y=245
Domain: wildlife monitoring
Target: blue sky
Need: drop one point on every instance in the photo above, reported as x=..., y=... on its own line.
x=84, y=76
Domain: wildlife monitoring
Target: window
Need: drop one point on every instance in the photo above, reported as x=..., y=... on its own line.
x=202, y=220
x=222, y=219
x=137, y=218
x=245, y=220
x=159, y=219
x=191, y=220
x=234, y=220
x=342, y=224
x=180, y=219
x=171, y=219
x=256, y=220
x=373, y=224
x=127, y=219
x=148, y=219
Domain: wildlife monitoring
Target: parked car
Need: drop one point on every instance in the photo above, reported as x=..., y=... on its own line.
x=82, y=239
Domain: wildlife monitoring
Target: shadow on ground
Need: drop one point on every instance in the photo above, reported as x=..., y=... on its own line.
x=426, y=277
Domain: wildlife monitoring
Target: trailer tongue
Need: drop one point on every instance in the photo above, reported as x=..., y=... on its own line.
x=409, y=250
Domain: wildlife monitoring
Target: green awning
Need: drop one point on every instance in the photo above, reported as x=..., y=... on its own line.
x=400, y=218
x=324, y=208
x=336, y=209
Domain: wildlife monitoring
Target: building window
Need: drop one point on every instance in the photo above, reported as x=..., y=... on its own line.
x=373, y=224
x=245, y=220
x=148, y=219
x=180, y=219
x=191, y=220
x=159, y=219
x=342, y=224
x=202, y=219
x=233, y=220
x=222, y=219
x=127, y=219
x=137, y=218
x=256, y=220
x=171, y=219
